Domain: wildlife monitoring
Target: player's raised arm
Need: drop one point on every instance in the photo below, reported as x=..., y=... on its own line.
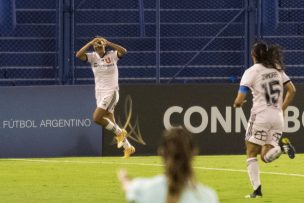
x=121, y=51
x=81, y=54
x=290, y=93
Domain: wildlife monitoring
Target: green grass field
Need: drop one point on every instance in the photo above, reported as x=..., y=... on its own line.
x=94, y=179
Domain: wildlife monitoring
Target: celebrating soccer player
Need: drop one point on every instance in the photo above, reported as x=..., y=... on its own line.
x=104, y=66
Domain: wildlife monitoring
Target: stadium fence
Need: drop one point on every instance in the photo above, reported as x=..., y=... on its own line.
x=167, y=41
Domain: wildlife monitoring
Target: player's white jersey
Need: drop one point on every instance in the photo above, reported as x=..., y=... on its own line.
x=267, y=86
x=105, y=70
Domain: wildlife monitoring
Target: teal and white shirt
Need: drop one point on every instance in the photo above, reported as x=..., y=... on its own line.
x=152, y=190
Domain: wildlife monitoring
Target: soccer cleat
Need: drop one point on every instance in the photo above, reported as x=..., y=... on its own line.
x=256, y=194
x=128, y=151
x=120, y=138
x=288, y=148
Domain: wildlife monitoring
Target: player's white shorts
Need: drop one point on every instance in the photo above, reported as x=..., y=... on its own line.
x=265, y=127
x=107, y=100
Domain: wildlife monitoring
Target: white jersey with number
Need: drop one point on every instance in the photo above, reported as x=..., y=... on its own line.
x=105, y=70
x=267, y=85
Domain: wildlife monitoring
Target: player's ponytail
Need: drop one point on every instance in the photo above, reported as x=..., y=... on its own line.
x=275, y=56
x=177, y=150
x=269, y=55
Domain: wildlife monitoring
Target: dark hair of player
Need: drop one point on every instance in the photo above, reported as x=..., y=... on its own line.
x=271, y=56
x=177, y=150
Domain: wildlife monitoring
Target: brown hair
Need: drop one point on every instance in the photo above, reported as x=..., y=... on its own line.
x=177, y=150
x=271, y=56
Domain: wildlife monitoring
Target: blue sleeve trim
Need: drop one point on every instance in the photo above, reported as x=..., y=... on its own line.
x=244, y=89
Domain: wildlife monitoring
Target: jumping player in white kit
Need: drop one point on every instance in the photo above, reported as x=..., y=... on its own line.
x=104, y=66
x=267, y=80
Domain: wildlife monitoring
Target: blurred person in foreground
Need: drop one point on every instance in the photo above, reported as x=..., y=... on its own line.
x=104, y=66
x=266, y=80
x=178, y=184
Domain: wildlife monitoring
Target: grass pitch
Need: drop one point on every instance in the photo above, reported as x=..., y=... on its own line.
x=94, y=179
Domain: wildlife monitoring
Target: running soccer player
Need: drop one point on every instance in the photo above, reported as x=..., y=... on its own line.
x=104, y=66
x=266, y=79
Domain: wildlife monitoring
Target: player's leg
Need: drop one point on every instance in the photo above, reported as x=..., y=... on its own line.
x=120, y=133
x=128, y=148
x=270, y=153
x=274, y=148
x=105, y=119
x=254, y=140
x=284, y=143
x=100, y=117
x=271, y=150
x=103, y=100
x=106, y=102
x=252, y=150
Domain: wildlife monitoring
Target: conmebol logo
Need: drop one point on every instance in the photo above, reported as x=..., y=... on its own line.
x=224, y=119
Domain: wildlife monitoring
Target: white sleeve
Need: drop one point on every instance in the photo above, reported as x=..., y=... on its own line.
x=247, y=78
x=90, y=57
x=285, y=78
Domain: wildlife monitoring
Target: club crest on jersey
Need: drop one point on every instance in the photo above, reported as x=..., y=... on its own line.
x=107, y=60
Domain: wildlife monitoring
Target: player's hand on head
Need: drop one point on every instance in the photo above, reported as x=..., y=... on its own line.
x=103, y=40
x=92, y=42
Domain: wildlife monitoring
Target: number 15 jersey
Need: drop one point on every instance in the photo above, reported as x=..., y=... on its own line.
x=266, y=85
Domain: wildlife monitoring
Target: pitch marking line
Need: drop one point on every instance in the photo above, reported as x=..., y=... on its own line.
x=158, y=165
